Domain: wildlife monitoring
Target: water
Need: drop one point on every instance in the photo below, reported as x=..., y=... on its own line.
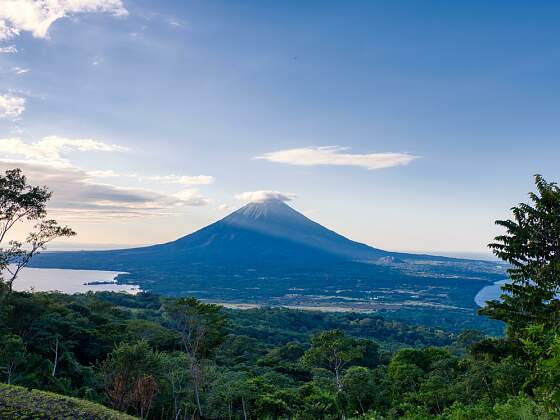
x=489, y=293
x=70, y=281
x=73, y=281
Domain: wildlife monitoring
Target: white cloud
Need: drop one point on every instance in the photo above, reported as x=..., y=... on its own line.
x=166, y=179
x=176, y=23
x=20, y=70
x=50, y=149
x=182, y=179
x=225, y=207
x=103, y=174
x=36, y=16
x=335, y=155
x=8, y=49
x=264, y=195
x=191, y=197
x=11, y=106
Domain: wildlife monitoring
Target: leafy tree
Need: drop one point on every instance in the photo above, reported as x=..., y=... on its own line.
x=130, y=376
x=437, y=386
x=543, y=348
x=202, y=330
x=332, y=350
x=155, y=334
x=21, y=202
x=12, y=354
x=231, y=395
x=360, y=389
x=531, y=244
x=177, y=378
x=466, y=339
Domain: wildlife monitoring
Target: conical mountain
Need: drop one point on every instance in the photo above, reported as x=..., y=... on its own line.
x=270, y=229
x=258, y=233
x=268, y=251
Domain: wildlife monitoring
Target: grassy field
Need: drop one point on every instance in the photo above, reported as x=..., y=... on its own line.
x=20, y=403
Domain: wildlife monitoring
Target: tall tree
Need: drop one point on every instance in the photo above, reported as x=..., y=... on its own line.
x=531, y=244
x=332, y=350
x=12, y=354
x=130, y=376
x=202, y=330
x=21, y=202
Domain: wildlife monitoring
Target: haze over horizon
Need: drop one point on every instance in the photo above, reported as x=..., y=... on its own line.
x=405, y=128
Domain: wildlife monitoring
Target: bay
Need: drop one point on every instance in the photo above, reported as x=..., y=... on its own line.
x=491, y=292
x=70, y=281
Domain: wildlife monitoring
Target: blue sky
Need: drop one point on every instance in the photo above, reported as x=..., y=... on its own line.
x=146, y=117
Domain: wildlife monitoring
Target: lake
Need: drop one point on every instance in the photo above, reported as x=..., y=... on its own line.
x=74, y=281
x=70, y=281
x=489, y=293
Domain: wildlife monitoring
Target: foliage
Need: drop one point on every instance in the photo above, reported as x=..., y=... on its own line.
x=12, y=354
x=332, y=350
x=21, y=202
x=130, y=371
x=201, y=328
x=135, y=353
x=531, y=245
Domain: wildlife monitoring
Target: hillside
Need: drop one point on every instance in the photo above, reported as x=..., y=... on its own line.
x=20, y=403
x=263, y=363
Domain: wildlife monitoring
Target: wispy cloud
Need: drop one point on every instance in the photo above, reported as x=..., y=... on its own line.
x=176, y=23
x=50, y=149
x=11, y=106
x=19, y=70
x=225, y=207
x=264, y=195
x=182, y=179
x=165, y=179
x=192, y=197
x=36, y=17
x=337, y=156
x=7, y=49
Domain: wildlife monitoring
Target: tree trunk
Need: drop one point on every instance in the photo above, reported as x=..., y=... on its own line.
x=244, y=410
x=10, y=371
x=195, y=372
x=338, y=380
x=55, y=363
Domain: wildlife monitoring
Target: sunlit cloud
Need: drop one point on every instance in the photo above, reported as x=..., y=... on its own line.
x=192, y=197
x=50, y=149
x=337, y=156
x=225, y=207
x=264, y=195
x=36, y=17
x=11, y=106
x=79, y=194
x=75, y=196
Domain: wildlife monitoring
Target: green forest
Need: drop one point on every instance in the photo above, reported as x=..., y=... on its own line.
x=157, y=357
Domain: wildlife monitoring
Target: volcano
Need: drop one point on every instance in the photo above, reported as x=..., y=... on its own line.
x=266, y=251
x=259, y=233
